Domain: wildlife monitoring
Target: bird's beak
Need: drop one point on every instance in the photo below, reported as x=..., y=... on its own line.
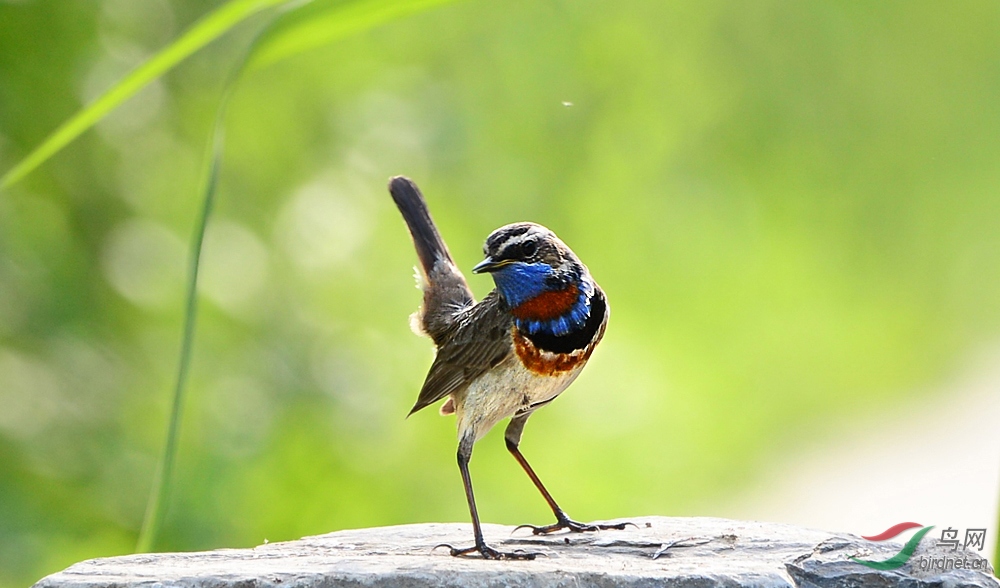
x=489, y=265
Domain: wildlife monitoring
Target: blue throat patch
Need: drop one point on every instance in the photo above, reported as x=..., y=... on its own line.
x=519, y=282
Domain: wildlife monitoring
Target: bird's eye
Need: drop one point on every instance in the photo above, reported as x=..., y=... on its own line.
x=528, y=248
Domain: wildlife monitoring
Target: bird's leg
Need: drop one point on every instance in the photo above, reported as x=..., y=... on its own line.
x=464, y=455
x=512, y=437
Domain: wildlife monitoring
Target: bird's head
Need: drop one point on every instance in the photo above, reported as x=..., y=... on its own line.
x=526, y=260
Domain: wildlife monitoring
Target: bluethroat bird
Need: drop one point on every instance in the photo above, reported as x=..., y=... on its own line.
x=513, y=352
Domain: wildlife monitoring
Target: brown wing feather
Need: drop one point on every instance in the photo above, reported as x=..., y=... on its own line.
x=476, y=341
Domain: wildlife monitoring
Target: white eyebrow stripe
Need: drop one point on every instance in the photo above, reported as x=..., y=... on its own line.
x=517, y=240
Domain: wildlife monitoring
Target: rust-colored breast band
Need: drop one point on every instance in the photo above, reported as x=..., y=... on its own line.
x=547, y=305
x=547, y=364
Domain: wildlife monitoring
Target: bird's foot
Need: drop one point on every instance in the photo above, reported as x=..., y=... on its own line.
x=564, y=522
x=488, y=552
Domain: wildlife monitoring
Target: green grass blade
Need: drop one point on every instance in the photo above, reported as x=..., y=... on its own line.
x=326, y=24
x=200, y=34
x=156, y=507
x=324, y=21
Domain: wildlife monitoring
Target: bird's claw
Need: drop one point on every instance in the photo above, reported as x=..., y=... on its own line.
x=488, y=552
x=573, y=526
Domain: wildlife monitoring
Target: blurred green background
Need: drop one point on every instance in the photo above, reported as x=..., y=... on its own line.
x=792, y=206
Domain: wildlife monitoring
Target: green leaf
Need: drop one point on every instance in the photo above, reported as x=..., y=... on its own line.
x=324, y=21
x=200, y=34
x=310, y=25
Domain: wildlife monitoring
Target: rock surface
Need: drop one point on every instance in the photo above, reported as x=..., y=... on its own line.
x=688, y=552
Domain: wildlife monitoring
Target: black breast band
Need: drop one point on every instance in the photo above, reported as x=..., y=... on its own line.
x=578, y=339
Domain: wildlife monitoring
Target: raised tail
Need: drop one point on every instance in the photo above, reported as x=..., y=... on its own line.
x=445, y=292
x=430, y=246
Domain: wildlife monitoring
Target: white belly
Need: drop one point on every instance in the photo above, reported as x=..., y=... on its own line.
x=503, y=391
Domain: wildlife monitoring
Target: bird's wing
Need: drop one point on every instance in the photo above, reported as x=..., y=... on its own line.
x=479, y=340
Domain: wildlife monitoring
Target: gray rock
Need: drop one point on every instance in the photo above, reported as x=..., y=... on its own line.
x=659, y=551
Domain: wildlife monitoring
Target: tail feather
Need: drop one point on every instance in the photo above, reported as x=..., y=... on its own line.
x=430, y=246
x=445, y=292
